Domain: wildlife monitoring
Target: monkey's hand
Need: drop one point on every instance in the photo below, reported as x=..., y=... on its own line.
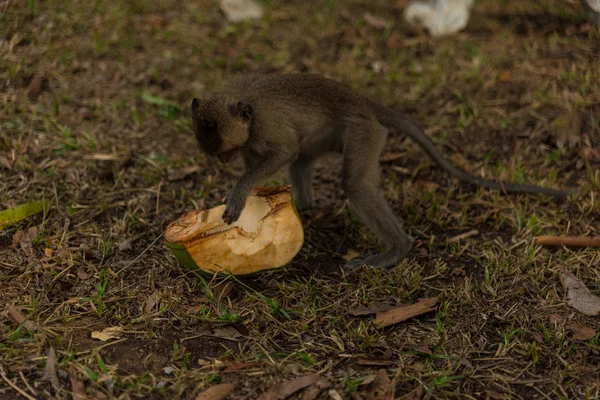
x=235, y=204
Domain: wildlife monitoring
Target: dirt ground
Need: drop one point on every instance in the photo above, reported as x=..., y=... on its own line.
x=94, y=119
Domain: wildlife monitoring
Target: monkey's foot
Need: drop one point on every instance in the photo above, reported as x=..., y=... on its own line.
x=384, y=260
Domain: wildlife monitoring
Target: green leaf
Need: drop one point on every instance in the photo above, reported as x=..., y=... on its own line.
x=13, y=215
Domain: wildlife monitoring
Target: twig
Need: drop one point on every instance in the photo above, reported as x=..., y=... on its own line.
x=12, y=385
x=574, y=241
x=141, y=254
x=463, y=236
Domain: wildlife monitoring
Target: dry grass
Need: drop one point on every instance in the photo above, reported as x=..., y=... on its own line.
x=113, y=78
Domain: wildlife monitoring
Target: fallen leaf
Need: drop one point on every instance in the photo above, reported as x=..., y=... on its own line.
x=222, y=289
x=17, y=238
x=381, y=388
x=19, y=319
x=13, y=215
x=151, y=301
x=216, y=392
x=27, y=239
x=157, y=21
x=581, y=332
x=241, y=366
x=392, y=157
x=240, y=10
x=78, y=388
x=124, y=245
x=227, y=332
x=492, y=395
x=334, y=394
x=287, y=388
x=113, y=332
x=48, y=252
x=350, y=255
x=81, y=274
x=50, y=370
x=179, y=174
x=313, y=391
x=34, y=88
x=372, y=308
x=382, y=362
x=5, y=162
x=579, y=296
x=376, y=22
x=504, y=76
x=429, y=185
x=399, y=314
x=424, y=346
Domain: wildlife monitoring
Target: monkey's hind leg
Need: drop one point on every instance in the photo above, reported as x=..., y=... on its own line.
x=301, y=177
x=363, y=145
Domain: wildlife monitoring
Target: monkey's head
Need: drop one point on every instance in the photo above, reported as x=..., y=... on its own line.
x=221, y=128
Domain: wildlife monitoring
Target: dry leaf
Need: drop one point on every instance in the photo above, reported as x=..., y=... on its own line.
x=312, y=392
x=381, y=388
x=579, y=296
x=179, y=174
x=382, y=362
x=376, y=22
x=239, y=10
x=222, y=289
x=81, y=274
x=400, y=314
x=27, y=239
x=17, y=238
x=350, y=255
x=287, y=388
x=424, y=346
x=5, y=162
x=429, y=185
x=241, y=366
x=227, y=332
x=373, y=308
x=34, y=88
x=50, y=370
x=216, y=392
x=392, y=157
x=581, y=332
x=113, y=332
x=157, y=21
x=150, y=302
x=19, y=319
x=48, y=252
x=78, y=389
x=504, y=76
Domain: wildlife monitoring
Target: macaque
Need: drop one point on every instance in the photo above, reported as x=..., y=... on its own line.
x=292, y=119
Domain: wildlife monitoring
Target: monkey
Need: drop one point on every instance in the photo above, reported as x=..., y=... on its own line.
x=277, y=120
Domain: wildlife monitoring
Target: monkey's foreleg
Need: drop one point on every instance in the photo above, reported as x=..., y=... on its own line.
x=301, y=177
x=236, y=199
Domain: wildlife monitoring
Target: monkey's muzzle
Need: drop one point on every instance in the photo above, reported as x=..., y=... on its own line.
x=228, y=155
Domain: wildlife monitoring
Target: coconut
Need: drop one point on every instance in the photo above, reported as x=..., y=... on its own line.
x=267, y=235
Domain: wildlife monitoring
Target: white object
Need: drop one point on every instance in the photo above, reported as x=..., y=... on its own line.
x=440, y=17
x=239, y=10
x=592, y=11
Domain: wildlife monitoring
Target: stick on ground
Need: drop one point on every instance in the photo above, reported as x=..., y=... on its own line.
x=573, y=241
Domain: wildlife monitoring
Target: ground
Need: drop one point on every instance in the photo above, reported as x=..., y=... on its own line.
x=95, y=120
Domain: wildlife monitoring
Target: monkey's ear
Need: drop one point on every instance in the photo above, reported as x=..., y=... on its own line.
x=244, y=110
x=195, y=104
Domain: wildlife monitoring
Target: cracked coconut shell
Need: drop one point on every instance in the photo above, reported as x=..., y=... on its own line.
x=267, y=235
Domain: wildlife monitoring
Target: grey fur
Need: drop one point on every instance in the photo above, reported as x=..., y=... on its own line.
x=279, y=120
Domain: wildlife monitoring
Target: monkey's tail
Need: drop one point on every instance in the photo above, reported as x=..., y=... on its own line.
x=393, y=119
